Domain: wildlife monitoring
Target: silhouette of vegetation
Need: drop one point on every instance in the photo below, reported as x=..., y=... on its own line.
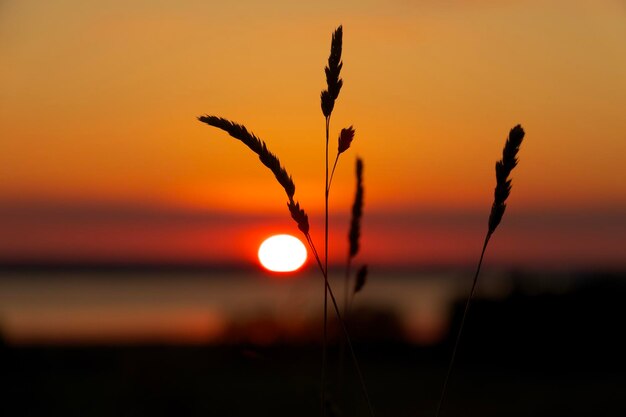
x=328, y=98
x=354, y=236
x=501, y=193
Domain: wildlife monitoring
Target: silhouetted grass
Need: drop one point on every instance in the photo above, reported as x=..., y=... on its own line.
x=354, y=236
x=328, y=98
x=501, y=193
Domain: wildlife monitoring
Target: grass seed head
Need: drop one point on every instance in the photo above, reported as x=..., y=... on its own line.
x=257, y=146
x=357, y=211
x=503, y=170
x=334, y=83
x=345, y=139
x=361, y=278
x=299, y=215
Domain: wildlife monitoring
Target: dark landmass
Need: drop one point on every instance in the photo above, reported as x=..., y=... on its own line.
x=546, y=354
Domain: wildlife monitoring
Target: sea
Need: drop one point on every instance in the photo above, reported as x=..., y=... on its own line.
x=112, y=306
x=232, y=342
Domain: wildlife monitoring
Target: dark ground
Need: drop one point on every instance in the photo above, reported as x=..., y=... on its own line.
x=527, y=355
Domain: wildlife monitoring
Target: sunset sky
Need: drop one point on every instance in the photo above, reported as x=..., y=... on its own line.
x=102, y=158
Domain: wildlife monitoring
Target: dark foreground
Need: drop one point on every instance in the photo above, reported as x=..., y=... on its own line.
x=528, y=355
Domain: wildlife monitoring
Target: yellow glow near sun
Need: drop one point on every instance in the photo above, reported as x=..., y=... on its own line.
x=282, y=253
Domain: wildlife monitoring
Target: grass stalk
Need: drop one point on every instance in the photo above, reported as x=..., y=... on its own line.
x=458, y=335
x=502, y=191
x=327, y=102
x=344, y=329
x=328, y=98
x=346, y=304
x=353, y=235
x=332, y=173
x=326, y=286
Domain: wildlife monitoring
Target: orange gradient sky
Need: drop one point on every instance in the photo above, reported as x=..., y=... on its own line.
x=101, y=156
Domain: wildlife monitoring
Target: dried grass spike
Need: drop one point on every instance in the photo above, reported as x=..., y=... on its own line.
x=257, y=146
x=361, y=278
x=235, y=130
x=271, y=161
x=334, y=83
x=345, y=139
x=334, y=64
x=327, y=103
x=503, y=170
x=357, y=211
x=299, y=215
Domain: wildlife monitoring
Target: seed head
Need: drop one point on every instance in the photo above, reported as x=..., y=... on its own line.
x=503, y=170
x=299, y=216
x=361, y=278
x=345, y=139
x=334, y=83
x=357, y=211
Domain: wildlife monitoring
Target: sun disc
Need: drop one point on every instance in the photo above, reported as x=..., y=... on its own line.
x=282, y=253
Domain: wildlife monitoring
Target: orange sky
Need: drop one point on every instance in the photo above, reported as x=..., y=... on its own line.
x=98, y=105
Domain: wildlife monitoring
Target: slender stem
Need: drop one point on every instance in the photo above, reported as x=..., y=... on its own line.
x=351, y=302
x=353, y=354
x=343, y=326
x=317, y=257
x=325, y=347
x=330, y=181
x=342, y=344
x=346, y=302
x=346, y=288
x=458, y=335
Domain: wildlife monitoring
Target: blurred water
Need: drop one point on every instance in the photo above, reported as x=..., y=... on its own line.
x=542, y=344
x=194, y=307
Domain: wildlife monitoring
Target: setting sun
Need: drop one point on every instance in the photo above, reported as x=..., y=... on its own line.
x=282, y=253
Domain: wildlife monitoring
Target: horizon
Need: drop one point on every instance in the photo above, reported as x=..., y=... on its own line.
x=152, y=235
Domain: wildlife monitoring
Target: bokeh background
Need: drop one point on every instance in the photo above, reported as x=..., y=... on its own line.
x=129, y=230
